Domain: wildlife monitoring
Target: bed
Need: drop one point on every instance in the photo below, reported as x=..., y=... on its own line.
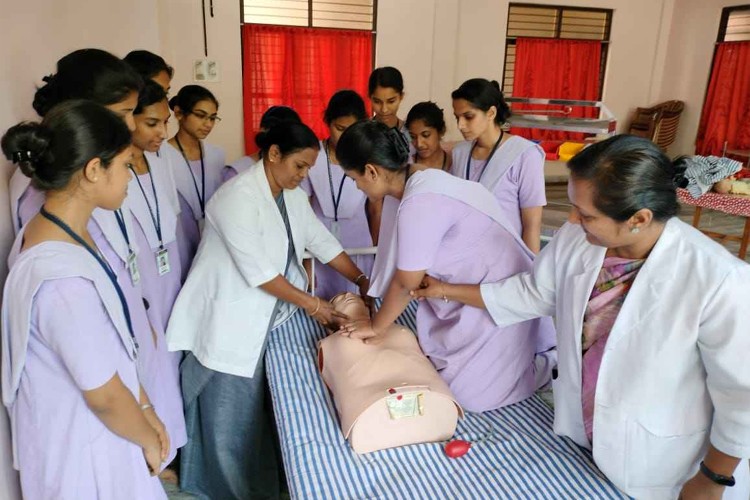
x=518, y=457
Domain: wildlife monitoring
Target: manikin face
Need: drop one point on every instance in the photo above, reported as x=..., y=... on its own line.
x=352, y=305
x=472, y=122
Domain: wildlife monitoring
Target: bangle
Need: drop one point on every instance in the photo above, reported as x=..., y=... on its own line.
x=445, y=297
x=317, y=307
x=363, y=275
x=147, y=406
x=717, y=478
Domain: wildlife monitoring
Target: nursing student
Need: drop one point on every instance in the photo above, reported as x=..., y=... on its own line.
x=426, y=125
x=651, y=320
x=151, y=67
x=337, y=202
x=196, y=165
x=386, y=90
x=511, y=167
x=247, y=279
x=438, y=219
x=83, y=74
x=273, y=115
x=106, y=78
x=82, y=425
x=153, y=202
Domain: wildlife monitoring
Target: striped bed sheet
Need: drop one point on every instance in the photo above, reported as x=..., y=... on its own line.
x=518, y=457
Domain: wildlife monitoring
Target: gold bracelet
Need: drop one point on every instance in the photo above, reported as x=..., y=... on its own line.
x=445, y=298
x=317, y=307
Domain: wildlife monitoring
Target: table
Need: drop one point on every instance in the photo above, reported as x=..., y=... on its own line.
x=727, y=203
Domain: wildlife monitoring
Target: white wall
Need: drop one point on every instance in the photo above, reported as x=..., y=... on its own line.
x=687, y=64
x=468, y=40
x=181, y=34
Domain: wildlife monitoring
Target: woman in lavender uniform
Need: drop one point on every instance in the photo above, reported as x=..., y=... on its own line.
x=161, y=375
x=511, y=167
x=439, y=217
x=82, y=425
x=337, y=202
x=114, y=231
x=195, y=165
x=155, y=207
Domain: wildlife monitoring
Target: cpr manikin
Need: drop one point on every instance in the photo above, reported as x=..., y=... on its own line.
x=387, y=394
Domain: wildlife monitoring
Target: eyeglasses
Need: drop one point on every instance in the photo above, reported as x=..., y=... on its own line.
x=204, y=117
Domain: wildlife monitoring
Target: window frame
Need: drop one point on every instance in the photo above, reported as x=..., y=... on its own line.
x=726, y=13
x=373, y=27
x=511, y=40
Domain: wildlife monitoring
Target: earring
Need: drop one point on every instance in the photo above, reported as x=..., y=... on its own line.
x=635, y=230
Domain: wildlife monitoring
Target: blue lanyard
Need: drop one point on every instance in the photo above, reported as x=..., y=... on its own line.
x=156, y=220
x=336, y=199
x=200, y=192
x=123, y=228
x=494, y=148
x=108, y=270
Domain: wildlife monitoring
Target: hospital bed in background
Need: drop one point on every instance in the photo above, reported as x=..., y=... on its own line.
x=559, y=118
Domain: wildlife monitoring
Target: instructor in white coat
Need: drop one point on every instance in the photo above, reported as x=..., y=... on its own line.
x=653, y=329
x=247, y=279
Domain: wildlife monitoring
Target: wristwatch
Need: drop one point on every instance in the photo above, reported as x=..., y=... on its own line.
x=717, y=478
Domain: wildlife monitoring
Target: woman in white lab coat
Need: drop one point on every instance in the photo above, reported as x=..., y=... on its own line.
x=247, y=279
x=652, y=329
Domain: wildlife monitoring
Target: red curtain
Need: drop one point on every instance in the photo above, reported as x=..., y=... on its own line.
x=301, y=68
x=556, y=69
x=727, y=107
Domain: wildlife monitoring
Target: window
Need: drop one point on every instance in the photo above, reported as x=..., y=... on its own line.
x=298, y=53
x=554, y=22
x=724, y=128
x=735, y=24
x=340, y=14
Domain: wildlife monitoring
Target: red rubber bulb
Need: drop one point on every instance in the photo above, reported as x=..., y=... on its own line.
x=457, y=448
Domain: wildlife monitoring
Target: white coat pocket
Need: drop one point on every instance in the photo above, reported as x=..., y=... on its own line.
x=662, y=461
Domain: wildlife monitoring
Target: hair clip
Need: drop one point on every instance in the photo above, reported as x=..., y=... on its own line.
x=23, y=156
x=398, y=140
